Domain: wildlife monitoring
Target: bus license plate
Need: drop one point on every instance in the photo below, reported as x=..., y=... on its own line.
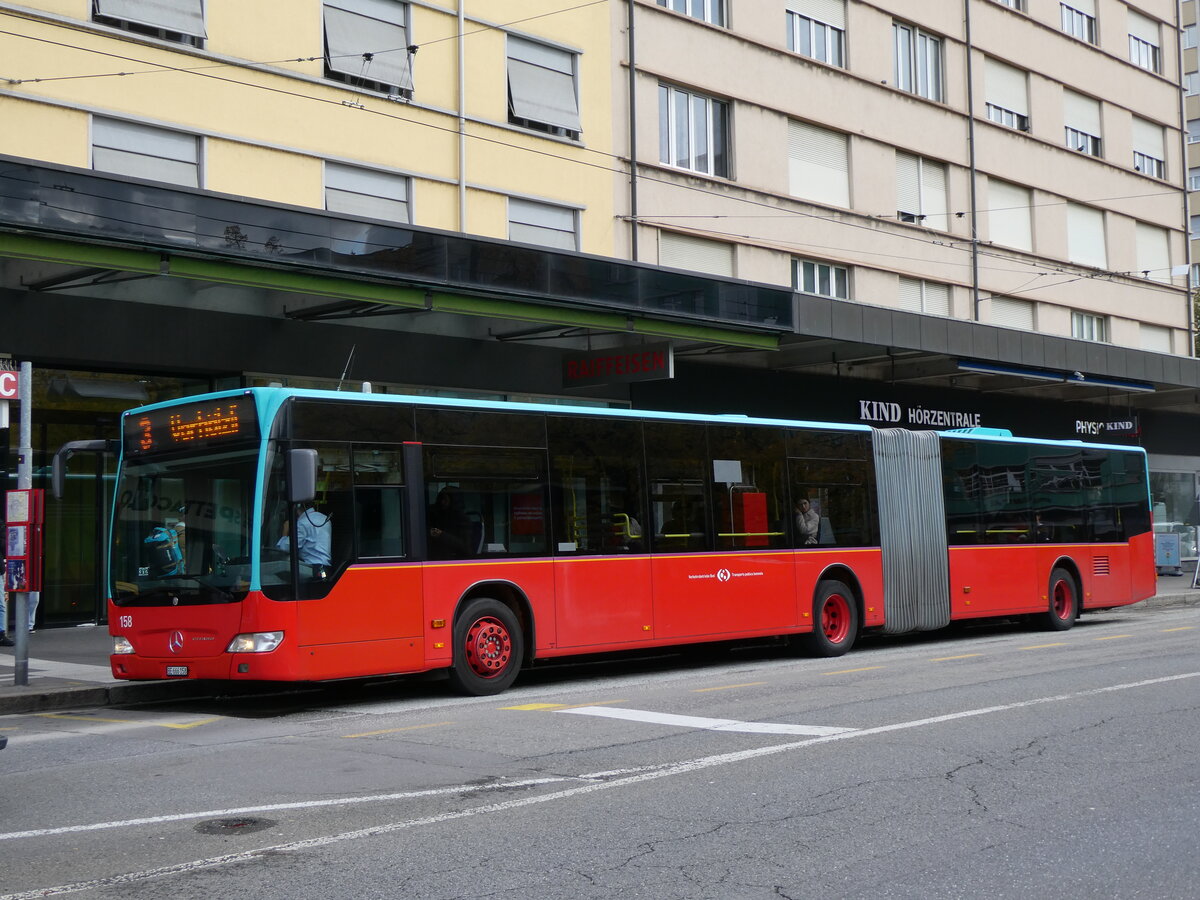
x=174, y=671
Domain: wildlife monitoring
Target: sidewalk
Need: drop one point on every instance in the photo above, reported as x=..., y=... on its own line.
x=68, y=667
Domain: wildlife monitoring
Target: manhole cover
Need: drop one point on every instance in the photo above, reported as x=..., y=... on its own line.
x=242, y=825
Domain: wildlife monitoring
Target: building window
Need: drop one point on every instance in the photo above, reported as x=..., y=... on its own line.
x=541, y=88
x=921, y=192
x=695, y=254
x=1191, y=83
x=1194, y=178
x=1012, y=4
x=142, y=151
x=822, y=279
x=1144, y=42
x=543, y=224
x=1153, y=252
x=1013, y=313
x=1194, y=275
x=1009, y=220
x=1194, y=228
x=1193, y=127
x=818, y=30
x=818, y=164
x=1149, y=151
x=693, y=131
x=1081, y=117
x=1155, y=338
x=181, y=21
x=918, y=61
x=366, y=193
x=710, y=11
x=1189, y=36
x=367, y=45
x=1079, y=19
x=1089, y=327
x=1085, y=236
x=917, y=295
x=1007, y=95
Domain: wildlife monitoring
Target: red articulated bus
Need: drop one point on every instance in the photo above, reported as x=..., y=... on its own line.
x=284, y=535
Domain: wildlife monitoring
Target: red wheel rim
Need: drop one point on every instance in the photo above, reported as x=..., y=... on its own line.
x=835, y=618
x=489, y=647
x=1062, y=599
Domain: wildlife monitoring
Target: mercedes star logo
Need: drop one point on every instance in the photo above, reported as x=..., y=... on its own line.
x=175, y=641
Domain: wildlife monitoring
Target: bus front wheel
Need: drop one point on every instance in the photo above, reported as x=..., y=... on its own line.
x=488, y=648
x=1064, y=601
x=835, y=620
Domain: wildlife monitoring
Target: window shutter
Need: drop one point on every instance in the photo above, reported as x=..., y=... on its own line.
x=910, y=294
x=908, y=183
x=831, y=12
x=1084, y=6
x=1012, y=313
x=1009, y=215
x=361, y=192
x=184, y=16
x=1148, y=138
x=934, y=205
x=355, y=27
x=818, y=164
x=142, y=151
x=1085, y=236
x=937, y=298
x=541, y=223
x=1006, y=87
x=1081, y=113
x=1144, y=28
x=684, y=251
x=1156, y=338
x=541, y=84
x=1153, y=254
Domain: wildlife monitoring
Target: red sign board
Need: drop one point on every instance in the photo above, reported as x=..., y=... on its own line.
x=647, y=362
x=10, y=385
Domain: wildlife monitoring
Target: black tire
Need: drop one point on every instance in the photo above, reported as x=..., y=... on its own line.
x=488, y=648
x=835, y=620
x=1063, y=601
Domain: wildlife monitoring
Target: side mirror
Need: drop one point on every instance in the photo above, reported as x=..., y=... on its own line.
x=58, y=470
x=302, y=475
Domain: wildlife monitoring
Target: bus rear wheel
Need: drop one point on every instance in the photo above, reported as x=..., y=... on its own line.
x=835, y=620
x=488, y=648
x=1064, y=601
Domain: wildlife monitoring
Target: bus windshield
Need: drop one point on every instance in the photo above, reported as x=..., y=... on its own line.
x=181, y=535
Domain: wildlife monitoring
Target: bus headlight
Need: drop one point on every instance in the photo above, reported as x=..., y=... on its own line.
x=121, y=645
x=258, y=642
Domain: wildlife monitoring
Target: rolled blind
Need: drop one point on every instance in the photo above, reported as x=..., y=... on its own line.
x=685, y=251
x=541, y=84
x=1153, y=255
x=1085, y=236
x=1156, y=338
x=831, y=12
x=1005, y=86
x=1144, y=28
x=1081, y=113
x=1008, y=215
x=933, y=195
x=1148, y=138
x=1012, y=313
x=818, y=164
x=908, y=183
x=937, y=298
x=1084, y=6
x=371, y=27
x=361, y=192
x=184, y=16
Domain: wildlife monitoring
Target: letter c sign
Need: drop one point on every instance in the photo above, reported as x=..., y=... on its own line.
x=9, y=385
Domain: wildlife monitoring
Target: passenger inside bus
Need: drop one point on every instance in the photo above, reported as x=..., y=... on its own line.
x=449, y=528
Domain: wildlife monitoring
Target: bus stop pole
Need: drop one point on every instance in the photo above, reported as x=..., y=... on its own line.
x=24, y=482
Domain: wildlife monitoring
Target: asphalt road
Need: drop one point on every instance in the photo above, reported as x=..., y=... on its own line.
x=1001, y=762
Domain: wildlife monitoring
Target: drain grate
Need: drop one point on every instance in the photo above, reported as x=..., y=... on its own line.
x=243, y=825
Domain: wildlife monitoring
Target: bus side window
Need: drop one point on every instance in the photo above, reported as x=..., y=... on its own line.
x=379, y=501
x=679, y=473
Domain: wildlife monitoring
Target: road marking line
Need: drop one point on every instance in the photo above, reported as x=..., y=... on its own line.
x=706, y=724
x=963, y=656
x=1044, y=646
x=141, y=722
x=528, y=706
x=394, y=730
x=1112, y=637
x=728, y=687
x=1183, y=628
x=651, y=774
x=597, y=703
x=848, y=671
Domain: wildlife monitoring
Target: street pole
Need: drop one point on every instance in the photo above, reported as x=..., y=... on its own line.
x=24, y=482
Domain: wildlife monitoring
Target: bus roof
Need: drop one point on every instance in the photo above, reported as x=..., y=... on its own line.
x=269, y=399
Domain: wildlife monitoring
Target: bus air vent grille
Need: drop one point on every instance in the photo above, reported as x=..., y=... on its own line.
x=1100, y=565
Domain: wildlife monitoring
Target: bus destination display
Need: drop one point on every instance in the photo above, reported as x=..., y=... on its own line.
x=191, y=425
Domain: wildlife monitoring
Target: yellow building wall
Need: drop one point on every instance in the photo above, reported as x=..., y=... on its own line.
x=266, y=131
